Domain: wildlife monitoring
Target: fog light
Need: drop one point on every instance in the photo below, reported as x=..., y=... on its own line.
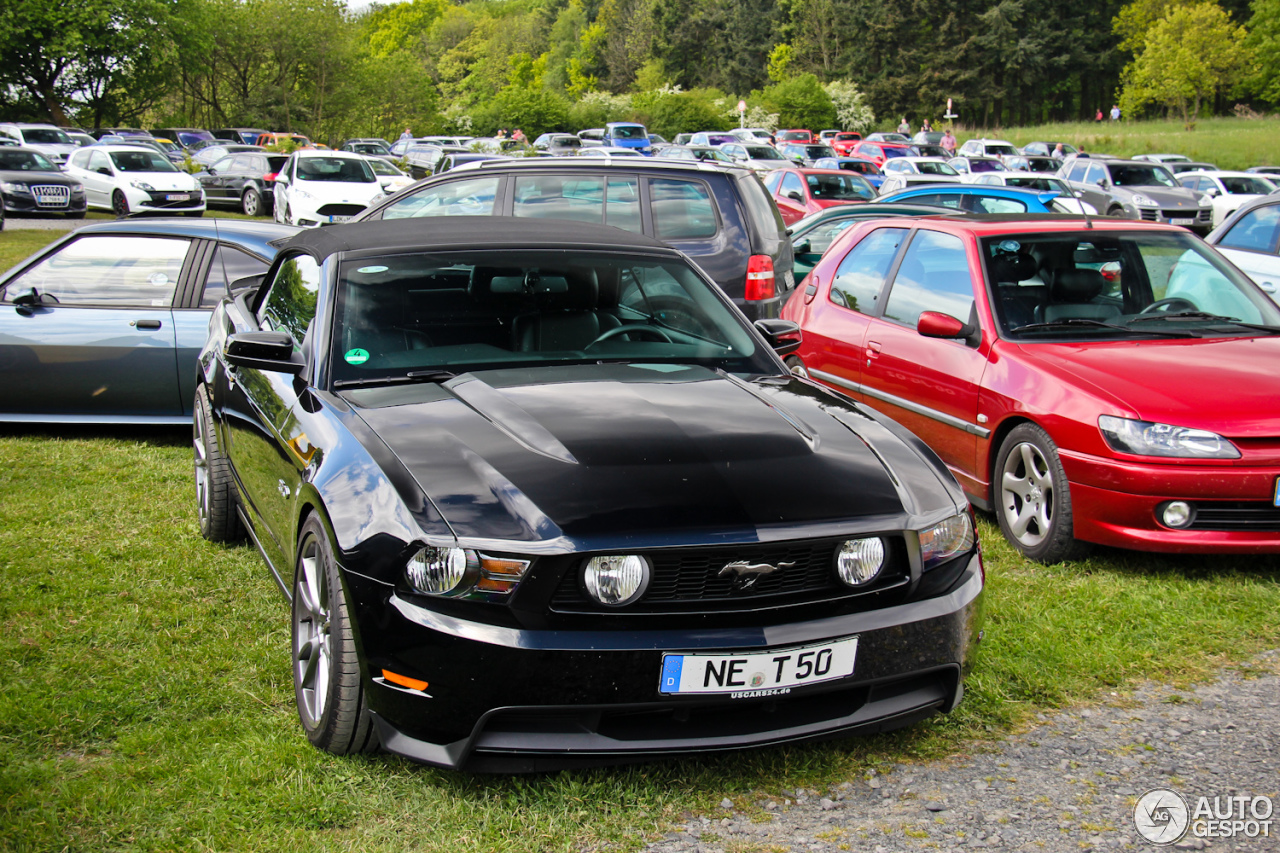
x=1177, y=514
x=617, y=580
x=436, y=571
x=859, y=560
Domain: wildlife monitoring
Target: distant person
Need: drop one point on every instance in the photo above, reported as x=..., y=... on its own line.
x=948, y=143
x=1081, y=152
x=1059, y=153
x=518, y=135
x=502, y=133
x=904, y=128
x=1098, y=117
x=926, y=127
x=408, y=134
x=1115, y=112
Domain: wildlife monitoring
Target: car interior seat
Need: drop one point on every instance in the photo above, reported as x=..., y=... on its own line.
x=1016, y=303
x=1070, y=295
x=566, y=316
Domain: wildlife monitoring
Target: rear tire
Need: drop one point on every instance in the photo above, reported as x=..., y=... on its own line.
x=326, y=666
x=251, y=202
x=215, y=487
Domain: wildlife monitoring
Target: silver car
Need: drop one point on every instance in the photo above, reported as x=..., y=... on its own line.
x=1134, y=189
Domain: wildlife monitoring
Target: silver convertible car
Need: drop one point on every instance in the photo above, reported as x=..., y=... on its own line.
x=104, y=325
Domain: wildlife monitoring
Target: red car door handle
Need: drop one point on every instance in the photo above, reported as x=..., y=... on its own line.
x=873, y=349
x=146, y=324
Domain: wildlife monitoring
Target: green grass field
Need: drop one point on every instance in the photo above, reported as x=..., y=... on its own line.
x=146, y=702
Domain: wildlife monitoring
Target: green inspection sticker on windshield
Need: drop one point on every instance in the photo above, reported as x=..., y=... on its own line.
x=356, y=356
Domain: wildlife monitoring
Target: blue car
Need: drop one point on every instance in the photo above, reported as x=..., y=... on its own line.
x=980, y=198
x=627, y=134
x=863, y=167
x=104, y=325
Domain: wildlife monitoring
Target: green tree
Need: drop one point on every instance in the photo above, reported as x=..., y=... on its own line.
x=799, y=102
x=1264, y=43
x=1191, y=54
x=852, y=110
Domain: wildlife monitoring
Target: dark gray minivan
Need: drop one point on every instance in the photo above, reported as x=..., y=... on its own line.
x=720, y=216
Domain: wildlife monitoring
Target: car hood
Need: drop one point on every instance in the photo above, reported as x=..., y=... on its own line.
x=341, y=191
x=162, y=180
x=28, y=177
x=1228, y=386
x=1165, y=196
x=616, y=455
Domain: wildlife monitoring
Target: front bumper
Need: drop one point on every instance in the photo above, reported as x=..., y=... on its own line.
x=1116, y=503
x=164, y=200
x=26, y=203
x=1201, y=219
x=515, y=700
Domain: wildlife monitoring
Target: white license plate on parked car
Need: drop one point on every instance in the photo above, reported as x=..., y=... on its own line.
x=1182, y=222
x=339, y=218
x=51, y=200
x=177, y=197
x=769, y=671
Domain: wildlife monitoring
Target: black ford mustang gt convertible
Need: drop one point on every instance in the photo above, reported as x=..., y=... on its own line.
x=539, y=495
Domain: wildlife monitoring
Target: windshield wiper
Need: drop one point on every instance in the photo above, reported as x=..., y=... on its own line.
x=1201, y=315
x=411, y=376
x=1077, y=322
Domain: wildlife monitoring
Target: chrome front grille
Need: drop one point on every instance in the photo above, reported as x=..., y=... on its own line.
x=51, y=195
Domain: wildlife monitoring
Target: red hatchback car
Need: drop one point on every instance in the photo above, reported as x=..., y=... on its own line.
x=878, y=152
x=844, y=141
x=799, y=192
x=1099, y=381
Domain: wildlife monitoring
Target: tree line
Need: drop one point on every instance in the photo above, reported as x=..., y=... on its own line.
x=436, y=66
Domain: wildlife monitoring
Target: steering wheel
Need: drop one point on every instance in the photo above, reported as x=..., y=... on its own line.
x=1175, y=303
x=630, y=327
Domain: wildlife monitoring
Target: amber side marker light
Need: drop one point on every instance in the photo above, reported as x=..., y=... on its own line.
x=404, y=680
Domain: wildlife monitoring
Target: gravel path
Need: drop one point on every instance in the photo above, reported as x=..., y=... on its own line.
x=1069, y=784
x=12, y=222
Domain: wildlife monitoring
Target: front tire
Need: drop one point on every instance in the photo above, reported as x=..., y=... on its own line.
x=326, y=667
x=1033, y=497
x=119, y=204
x=215, y=488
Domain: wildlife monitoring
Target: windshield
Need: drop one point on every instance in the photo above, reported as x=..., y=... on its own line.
x=45, y=136
x=813, y=152
x=192, y=137
x=566, y=142
x=927, y=168
x=1142, y=176
x=1002, y=151
x=341, y=170
x=844, y=186
x=141, y=161
x=24, y=161
x=976, y=166
x=382, y=167
x=458, y=312
x=629, y=131
x=367, y=148
x=1084, y=285
x=763, y=152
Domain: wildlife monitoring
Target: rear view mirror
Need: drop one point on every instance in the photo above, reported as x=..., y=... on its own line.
x=103, y=170
x=795, y=195
x=803, y=247
x=934, y=324
x=249, y=282
x=273, y=351
x=783, y=336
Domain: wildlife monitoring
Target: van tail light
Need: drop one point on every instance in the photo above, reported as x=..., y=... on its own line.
x=760, y=278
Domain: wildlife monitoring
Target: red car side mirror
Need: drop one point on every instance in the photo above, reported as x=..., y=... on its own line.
x=934, y=324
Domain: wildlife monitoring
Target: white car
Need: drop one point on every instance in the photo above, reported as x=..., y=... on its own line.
x=1251, y=240
x=131, y=179
x=392, y=179
x=906, y=180
x=1163, y=158
x=935, y=167
x=318, y=187
x=1068, y=199
x=756, y=155
x=753, y=134
x=1228, y=190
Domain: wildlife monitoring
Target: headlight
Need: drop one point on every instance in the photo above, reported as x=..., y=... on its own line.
x=142, y=185
x=77, y=190
x=859, y=561
x=1145, y=438
x=16, y=189
x=437, y=571
x=1206, y=201
x=945, y=540
x=454, y=571
x=617, y=580
x=1143, y=201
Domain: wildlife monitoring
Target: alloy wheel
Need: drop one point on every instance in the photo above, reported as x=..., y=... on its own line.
x=312, y=641
x=1026, y=495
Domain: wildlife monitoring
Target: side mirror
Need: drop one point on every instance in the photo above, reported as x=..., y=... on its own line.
x=271, y=351
x=803, y=247
x=935, y=324
x=282, y=180
x=1079, y=194
x=250, y=282
x=783, y=336
x=794, y=195
x=212, y=171
x=25, y=301
x=103, y=170
x=1102, y=182
x=1214, y=192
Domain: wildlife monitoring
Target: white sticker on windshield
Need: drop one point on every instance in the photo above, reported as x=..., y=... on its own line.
x=371, y=270
x=159, y=279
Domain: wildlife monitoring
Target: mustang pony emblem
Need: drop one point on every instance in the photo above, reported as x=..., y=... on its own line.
x=746, y=574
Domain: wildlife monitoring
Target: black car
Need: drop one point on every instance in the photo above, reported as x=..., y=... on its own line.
x=718, y=214
x=422, y=159
x=542, y=496
x=31, y=183
x=242, y=135
x=244, y=180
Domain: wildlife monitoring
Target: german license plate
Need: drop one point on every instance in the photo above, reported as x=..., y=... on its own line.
x=177, y=197
x=51, y=200
x=339, y=218
x=1182, y=221
x=758, y=673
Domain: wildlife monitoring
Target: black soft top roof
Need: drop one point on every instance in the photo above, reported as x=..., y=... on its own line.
x=466, y=232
